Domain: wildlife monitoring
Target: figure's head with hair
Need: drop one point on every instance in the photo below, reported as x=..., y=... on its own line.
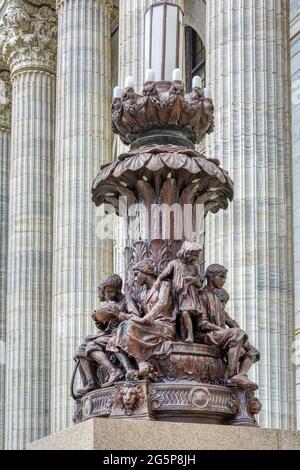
x=110, y=288
x=223, y=296
x=216, y=276
x=143, y=270
x=189, y=252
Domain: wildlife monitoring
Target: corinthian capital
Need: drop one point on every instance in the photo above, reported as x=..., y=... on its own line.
x=5, y=96
x=28, y=36
x=108, y=3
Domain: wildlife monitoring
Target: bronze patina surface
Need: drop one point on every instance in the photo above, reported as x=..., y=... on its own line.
x=166, y=348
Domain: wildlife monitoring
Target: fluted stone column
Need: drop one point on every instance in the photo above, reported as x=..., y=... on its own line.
x=295, y=69
x=248, y=72
x=28, y=44
x=5, y=122
x=83, y=144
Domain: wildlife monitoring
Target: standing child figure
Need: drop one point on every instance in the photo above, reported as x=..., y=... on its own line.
x=187, y=280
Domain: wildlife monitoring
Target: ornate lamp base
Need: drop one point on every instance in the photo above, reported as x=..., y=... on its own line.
x=187, y=393
x=205, y=404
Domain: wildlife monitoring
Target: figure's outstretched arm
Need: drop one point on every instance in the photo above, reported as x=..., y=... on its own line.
x=131, y=306
x=199, y=281
x=205, y=326
x=161, y=305
x=167, y=273
x=230, y=321
x=204, y=323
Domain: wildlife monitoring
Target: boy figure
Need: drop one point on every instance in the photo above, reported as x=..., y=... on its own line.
x=250, y=353
x=114, y=308
x=186, y=277
x=213, y=327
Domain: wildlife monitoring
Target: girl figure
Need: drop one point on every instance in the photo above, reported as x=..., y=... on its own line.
x=150, y=336
x=187, y=280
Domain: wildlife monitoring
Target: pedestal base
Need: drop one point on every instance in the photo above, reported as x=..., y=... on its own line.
x=125, y=434
x=177, y=402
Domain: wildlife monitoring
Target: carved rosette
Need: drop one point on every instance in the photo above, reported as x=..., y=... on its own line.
x=5, y=98
x=28, y=37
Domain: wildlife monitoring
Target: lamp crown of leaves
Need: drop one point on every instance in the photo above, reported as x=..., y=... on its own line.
x=162, y=105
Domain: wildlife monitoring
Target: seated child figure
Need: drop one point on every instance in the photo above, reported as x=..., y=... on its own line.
x=114, y=308
x=217, y=328
x=249, y=353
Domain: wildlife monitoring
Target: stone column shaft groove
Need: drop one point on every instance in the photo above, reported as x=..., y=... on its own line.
x=83, y=144
x=5, y=124
x=295, y=72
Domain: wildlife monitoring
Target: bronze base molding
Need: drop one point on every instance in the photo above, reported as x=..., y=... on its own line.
x=187, y=392
x=186, y=403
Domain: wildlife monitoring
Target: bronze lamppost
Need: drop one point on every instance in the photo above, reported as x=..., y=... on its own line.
x=166, y=348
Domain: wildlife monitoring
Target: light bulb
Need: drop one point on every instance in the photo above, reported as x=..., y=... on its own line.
x=129, y=82
x=117, y=92
x=197, y=82
x=177, y=75
x=150, y=75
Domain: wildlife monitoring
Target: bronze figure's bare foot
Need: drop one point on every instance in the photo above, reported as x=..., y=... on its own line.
x=243, y=381
x=115, y=375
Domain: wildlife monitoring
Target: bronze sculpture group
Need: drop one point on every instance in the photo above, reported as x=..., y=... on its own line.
x=134, y=331
x=166, y=347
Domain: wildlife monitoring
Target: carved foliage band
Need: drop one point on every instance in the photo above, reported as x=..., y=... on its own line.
x=108, y=3
x=162, y=105
x=5, y=97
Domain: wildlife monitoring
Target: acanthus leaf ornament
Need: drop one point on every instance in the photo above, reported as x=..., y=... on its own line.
x=5, y=98
x=108, y=3
x=162, y=105
x=28, y=37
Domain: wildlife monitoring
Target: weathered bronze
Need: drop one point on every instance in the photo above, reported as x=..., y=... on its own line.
x=167, y=349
